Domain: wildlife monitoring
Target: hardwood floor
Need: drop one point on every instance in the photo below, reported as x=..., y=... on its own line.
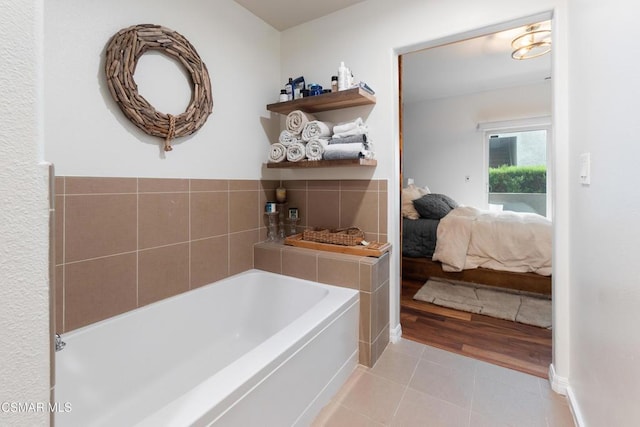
x=513, y=345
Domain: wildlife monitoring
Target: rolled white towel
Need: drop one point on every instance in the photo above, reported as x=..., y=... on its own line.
x=286, y=138
x=315, y=148
x=316, y=129
x=296, y=152
x=355, y=127
x=277, y=153
x=296, y=120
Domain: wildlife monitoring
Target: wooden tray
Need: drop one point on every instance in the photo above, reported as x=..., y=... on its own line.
x=374, y=249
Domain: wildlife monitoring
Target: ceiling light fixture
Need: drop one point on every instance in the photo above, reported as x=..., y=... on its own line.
x=533, y=43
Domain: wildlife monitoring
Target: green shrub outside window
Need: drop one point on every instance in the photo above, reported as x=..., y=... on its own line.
x=518, y=179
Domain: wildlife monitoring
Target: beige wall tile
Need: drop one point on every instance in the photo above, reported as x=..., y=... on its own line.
x=364, y=353
x=99, y=185
x=59, y=230
x=359, y=209
x=295, y=184
x=98, y=289
x=243, y=210
x=270, y=185
x=300, y=263
x=359, y=185
x=323, y=209
x=366, y=275
x=383, y=185
x=244, y=185
x=209, y=260
x=208, y=185
x=383, y=270
x=268, y=258
x=382, y=212
x=162, y=185
x=323, y=185
x=59, y=185
x=380, y=304
x=163, y=219
x=58, y=305
x=209, y=214
x=99, y=225
x=298, y=199
x=339, y=270
x=365, y=317
x=378, y=346
x=162, y=272
x=241, y=250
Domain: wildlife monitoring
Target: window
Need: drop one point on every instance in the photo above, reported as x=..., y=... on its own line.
x=516, y=168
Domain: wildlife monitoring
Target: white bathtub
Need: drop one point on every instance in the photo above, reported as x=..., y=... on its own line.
x=256, y=349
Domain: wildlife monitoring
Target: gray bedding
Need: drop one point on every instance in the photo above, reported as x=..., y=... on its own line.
x=419, y=237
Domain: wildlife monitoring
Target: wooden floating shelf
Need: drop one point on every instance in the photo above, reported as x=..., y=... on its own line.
x=322, y=163
x=375, y=249
x=325, y=102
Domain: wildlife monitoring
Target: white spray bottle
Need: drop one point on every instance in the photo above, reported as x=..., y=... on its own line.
x=343, y=77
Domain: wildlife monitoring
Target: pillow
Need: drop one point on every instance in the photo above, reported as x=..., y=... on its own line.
x=409, y=194
x=434, y=206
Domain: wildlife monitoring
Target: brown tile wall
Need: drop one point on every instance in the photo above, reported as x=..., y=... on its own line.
x=368, y=275
x=341, y=203
x=121, y=243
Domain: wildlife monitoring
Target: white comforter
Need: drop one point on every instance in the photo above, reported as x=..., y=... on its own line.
x=509, y=241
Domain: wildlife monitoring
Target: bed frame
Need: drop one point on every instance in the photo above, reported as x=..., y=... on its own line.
x=424, y=268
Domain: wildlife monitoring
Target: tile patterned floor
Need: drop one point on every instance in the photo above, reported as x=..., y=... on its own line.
x=415, y=385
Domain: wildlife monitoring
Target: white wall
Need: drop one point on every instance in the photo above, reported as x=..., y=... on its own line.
x=605, y=291
x=87, y=134
x=368, y=36
x=24, y=287
x=442, y=145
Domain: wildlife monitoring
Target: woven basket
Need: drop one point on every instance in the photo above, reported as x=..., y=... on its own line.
x=351, y=236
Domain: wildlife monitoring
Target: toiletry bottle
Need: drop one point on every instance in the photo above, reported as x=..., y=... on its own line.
x=343, y=78
x=283, y=95
x=289, y=89
x=334, y=83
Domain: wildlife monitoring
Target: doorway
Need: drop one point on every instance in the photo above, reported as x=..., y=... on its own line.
x=443, y=104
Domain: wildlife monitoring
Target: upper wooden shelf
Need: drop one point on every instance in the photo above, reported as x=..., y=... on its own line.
x=325, y=102
x=322, y=163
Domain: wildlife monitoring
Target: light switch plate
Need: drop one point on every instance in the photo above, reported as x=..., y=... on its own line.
x=585, y=168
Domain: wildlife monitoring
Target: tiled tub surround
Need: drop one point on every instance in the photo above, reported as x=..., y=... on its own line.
x=341, y=203
x=368, y=275
x=122, y=243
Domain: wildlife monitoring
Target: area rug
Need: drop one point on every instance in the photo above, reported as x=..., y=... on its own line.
x=495, y=302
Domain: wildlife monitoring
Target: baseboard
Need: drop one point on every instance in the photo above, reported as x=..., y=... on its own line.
x=561, y=385
x=575, y=408
x=558, y=384
x=395, y=333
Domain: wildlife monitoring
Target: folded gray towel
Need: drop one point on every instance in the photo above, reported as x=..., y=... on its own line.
x=341, y=155
x=343, y=151
x=349, y=139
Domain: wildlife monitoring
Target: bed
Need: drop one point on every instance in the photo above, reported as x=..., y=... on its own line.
x=503, y=249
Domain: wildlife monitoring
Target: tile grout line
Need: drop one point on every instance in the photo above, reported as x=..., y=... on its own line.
x=137, y=242
x=189, y=233
x=64, y=255
x=406, y=387
x=229, y=231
